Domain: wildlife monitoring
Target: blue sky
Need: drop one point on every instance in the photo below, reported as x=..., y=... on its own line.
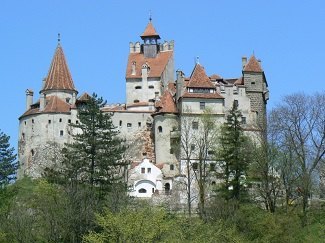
x=288, y=36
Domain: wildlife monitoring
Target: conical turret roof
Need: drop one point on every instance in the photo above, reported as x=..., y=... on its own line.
x=150, y=31
x=59, y=77
x=253, y=65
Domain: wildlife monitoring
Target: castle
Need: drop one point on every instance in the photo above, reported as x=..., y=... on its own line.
x=159, y=109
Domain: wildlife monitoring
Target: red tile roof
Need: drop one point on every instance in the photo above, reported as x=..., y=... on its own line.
x=239, y=81
x=199, y=79
x=215, y=76
x=157, y=65
x=59, y=77
x=202, y=95
x=84, y=97
x=139, y=104
x=53, y=105
x=150, y=31
x=172, y=88
x=166, y=104
x=253, y=65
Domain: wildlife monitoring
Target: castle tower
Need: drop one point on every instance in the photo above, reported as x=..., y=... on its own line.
x=165, y=131
x=256, y=89
x=149, y=69
x=44, y=126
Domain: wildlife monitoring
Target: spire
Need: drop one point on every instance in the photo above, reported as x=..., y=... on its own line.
x=59, y=77
x=150, y=31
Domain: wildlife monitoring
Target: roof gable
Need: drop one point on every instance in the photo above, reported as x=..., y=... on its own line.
x=59, y=77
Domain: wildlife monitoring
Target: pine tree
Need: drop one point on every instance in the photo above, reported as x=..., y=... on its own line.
x=8, y=163
x=95, y=158
x=233, y=154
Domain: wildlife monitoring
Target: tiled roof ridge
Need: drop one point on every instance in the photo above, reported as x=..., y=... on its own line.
x=59, y=76
x=253, y=65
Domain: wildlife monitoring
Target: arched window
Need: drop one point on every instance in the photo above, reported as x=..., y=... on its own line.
x=32, y=152
x=160, y=129
x=142, y=190
x=167, y=188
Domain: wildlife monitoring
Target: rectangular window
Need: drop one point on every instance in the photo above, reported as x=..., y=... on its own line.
x=195, y=125
x=149, y=170
x=143, y=170
x=194, y=166
x=243, y=120
x=202, y=105
x=129, y=125
x=61, y=133
x=139, y=124
x=171, y=167
x=171, y=151
x=192, y=147
x=49, y=121
x=235, y=103
x=69, y=121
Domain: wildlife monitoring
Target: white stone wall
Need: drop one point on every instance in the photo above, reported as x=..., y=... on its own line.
x=191, y=105
x=163, y=126
x=35, y=131
x=133, y=94
x=145, y=179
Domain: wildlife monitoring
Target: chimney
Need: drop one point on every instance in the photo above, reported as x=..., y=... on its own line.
x=43, y=83
x=244, y=62
x=42, y=102
x=74, y=98
x=29, y=98
x=133, y=72
x=179, y=84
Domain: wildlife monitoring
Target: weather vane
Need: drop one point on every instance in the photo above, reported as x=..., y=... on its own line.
x=150, y=17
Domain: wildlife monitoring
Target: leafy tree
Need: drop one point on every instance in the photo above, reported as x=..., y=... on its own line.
x=8, y=163
x=233, y=154
x=143, y=224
